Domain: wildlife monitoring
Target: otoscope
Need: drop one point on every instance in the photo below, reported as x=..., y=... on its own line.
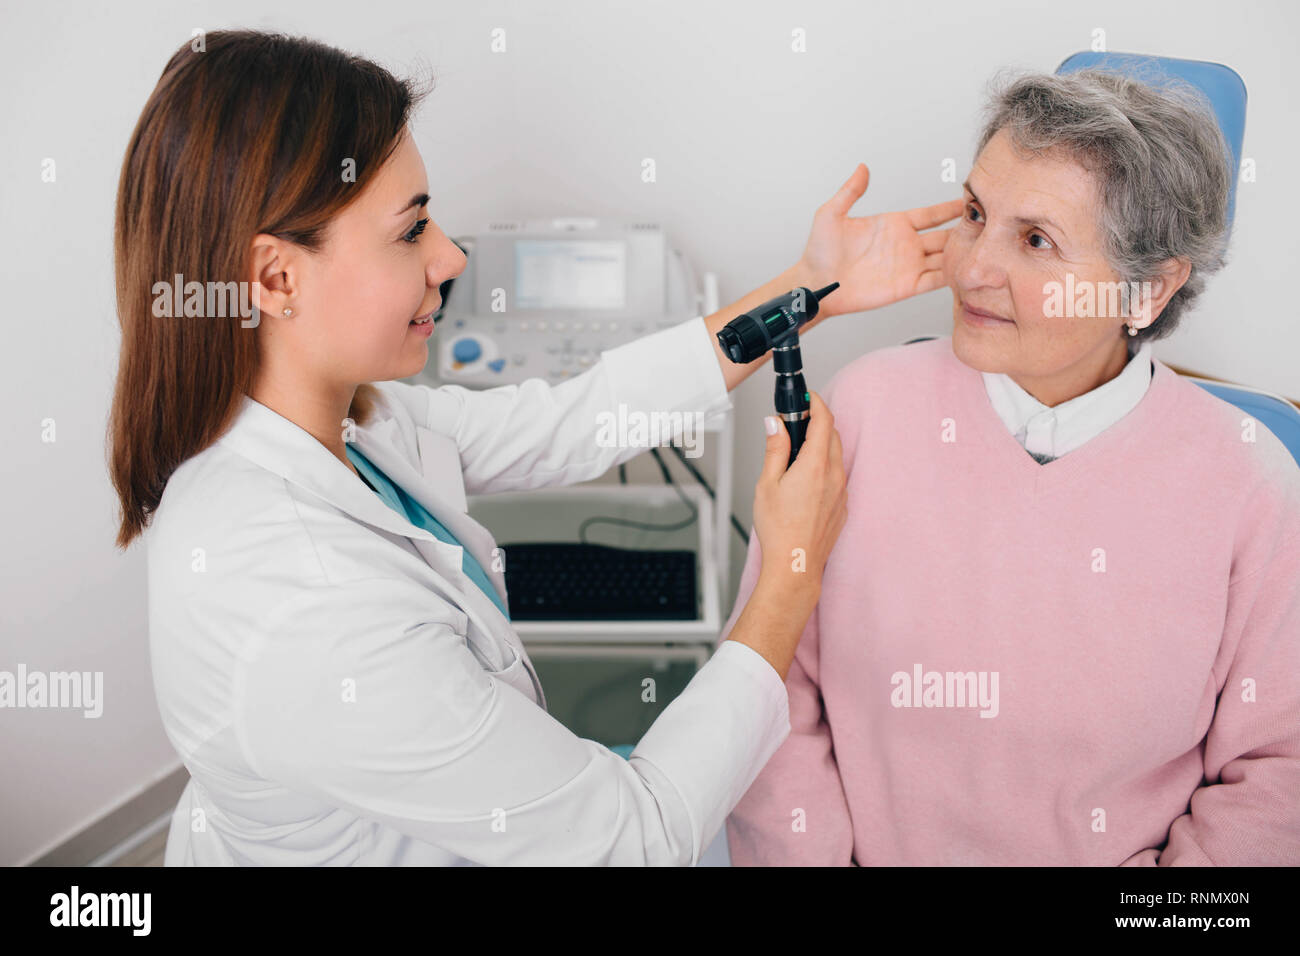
x=775, y=325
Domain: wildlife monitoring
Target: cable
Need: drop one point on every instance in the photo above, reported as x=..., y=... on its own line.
x=699, y=478
x=744, y=535
x=627, y=522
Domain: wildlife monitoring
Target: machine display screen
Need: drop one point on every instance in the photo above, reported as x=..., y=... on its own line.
x=570, y=274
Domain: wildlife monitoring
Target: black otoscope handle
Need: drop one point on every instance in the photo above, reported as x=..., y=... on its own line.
x=797, y=430
x=792, y=400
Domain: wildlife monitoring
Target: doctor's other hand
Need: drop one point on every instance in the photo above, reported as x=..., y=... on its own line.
x=799, y=510
x=798, y=515
x=876, y=259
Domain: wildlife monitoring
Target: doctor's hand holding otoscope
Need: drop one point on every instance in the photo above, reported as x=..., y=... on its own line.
x=774, y=326
x=849, y=264
x=855, y=264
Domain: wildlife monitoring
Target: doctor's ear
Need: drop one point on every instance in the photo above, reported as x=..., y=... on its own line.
x=274, y=267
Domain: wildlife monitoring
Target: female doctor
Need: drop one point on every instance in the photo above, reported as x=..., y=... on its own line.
x=329, y=643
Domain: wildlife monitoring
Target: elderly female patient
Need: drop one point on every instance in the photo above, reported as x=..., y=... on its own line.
x=1062, y=622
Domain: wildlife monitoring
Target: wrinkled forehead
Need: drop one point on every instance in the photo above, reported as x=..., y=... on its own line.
x=1027, y=186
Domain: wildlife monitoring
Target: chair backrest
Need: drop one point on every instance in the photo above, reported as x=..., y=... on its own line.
x=1272, y=411
x=1221, y=85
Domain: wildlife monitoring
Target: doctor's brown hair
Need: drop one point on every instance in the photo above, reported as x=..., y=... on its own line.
x=249, y=133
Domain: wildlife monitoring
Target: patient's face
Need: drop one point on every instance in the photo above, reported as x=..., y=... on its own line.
x=1029, y=223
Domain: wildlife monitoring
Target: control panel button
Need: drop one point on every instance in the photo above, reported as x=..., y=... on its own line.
x=496, y=364
x=466, y=350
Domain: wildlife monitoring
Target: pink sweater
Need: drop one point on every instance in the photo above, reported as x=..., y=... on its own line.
x=1095, y=661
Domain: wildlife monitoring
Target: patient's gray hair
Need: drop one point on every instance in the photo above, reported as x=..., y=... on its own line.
x=1160, y=162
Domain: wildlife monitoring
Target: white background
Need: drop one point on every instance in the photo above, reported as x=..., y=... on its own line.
x=748, y=139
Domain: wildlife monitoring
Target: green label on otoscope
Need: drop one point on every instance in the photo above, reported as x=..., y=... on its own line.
x=806, y=398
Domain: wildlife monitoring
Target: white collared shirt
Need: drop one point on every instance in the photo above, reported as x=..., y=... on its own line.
x=1048, y=433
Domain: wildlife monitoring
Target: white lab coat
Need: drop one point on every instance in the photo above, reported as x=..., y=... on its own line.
x=342, y=693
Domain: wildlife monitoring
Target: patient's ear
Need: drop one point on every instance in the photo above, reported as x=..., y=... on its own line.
x=1173, y=273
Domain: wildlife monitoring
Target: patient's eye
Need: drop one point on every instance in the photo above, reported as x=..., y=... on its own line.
x=1039, y=235
x=970, y=208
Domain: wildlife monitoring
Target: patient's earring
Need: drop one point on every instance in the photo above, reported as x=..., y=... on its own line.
x=289, y=312
x=1131, y=330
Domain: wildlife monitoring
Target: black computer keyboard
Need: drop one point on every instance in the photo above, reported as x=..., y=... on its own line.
x=554, y=581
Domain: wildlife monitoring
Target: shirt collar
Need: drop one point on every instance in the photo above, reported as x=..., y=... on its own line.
x=264, y=436
x=1051, y=432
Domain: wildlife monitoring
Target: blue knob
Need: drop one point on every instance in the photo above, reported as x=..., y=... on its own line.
x=496, y=364
x=466, y=350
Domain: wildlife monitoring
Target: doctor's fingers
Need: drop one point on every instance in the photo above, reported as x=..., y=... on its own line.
x=931, y=279
x=822, y=452
x=837, y=455
x=849, y=193
x=835, y=513
x=932, y=242
x=820, y=435
x=836, y=488
x=839, y=521
x=926, y=217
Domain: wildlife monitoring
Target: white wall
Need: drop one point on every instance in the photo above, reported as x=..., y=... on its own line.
x=749, y=138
